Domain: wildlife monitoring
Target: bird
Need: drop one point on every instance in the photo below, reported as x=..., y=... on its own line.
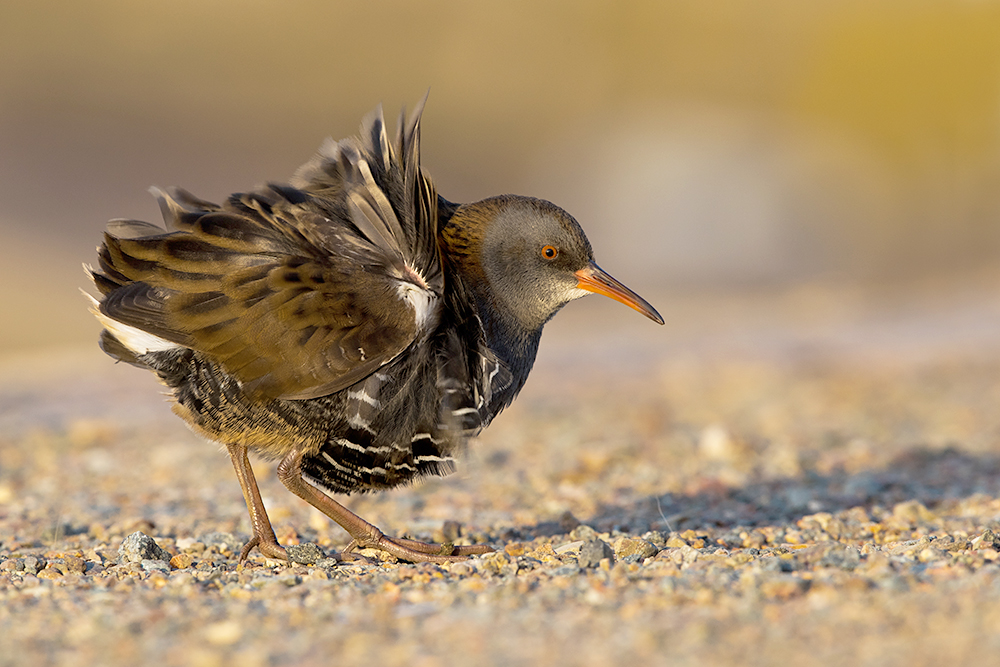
x=351, y=324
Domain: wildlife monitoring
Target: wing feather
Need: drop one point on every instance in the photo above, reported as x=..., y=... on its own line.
x=294, y=290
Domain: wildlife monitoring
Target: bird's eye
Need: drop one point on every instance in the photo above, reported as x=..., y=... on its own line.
x=550, y=252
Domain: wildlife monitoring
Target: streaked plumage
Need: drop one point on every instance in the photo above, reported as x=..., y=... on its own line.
x=353, y=324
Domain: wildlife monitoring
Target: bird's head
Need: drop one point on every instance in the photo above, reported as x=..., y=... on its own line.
x=533, y=256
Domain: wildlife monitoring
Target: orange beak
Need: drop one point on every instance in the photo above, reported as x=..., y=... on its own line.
x=593, y=279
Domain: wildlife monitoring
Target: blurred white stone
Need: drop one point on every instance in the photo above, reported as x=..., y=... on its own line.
x=715, y=444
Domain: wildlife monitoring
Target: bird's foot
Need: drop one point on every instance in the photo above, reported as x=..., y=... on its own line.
x=413, y=551
x=269, y=548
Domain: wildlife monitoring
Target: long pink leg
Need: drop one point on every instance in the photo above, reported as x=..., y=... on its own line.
x=363, y=533
x=263, y=535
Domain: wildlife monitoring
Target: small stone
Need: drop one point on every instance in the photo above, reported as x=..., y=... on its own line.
x=688, y=554
x=50, y=573
x=583, y=533
x=181, y=561
x=593, y=551
x=675, y=542
x=59, y=564
x=498, y=562
x=306, y=553
x=449, y=533
x=569, y=547
x=656, y=538
x=75, y=565
x=106, y=556
x=12, y=565
x=823, y=521
x=987, y=540
x=840, y=556
x=514, y=549
x=138, y=547
x=630, y=547
x=155, y=565
x=32, y=564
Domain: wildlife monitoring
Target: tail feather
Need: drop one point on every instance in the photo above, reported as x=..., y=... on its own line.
x=133, y=229
x=181, y=209
x=115, y=349
x=124, y=342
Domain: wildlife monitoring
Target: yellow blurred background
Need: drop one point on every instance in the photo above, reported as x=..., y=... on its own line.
x=704, y=145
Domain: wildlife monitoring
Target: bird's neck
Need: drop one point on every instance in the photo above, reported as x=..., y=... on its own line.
x=514, y=345
x=471, y=299
x=508, y=338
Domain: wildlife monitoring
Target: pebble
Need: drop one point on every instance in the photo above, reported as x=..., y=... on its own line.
x=75, y=565
x=593, y=551
x=583, y=533
x=155, y=565
x=987, y=540
x=638, y=549
x=499, y=563
x=305, y=553
x=569, y=547
x=181, y=561
x=32, y=564
x=138, y=547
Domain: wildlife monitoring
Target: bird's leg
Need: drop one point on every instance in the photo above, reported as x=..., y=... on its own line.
x=263, y=535
x=363, y=533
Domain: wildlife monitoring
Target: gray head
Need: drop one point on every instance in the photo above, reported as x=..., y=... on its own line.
x=533, y=256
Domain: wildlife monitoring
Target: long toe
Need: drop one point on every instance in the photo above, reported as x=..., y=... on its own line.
x=267, y=548
x=472, y=549
x=421, y=552
x=445, y=549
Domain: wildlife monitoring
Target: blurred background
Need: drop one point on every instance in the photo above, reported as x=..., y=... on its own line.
x=755, y=152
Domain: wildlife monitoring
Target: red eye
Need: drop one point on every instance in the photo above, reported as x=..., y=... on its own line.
x=550, y=252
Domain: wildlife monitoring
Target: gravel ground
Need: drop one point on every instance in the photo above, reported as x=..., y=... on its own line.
x=788, y=491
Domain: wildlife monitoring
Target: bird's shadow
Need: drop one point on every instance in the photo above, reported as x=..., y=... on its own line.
x=931, y=476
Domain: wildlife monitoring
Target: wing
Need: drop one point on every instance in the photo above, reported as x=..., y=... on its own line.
x=296, y=291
